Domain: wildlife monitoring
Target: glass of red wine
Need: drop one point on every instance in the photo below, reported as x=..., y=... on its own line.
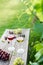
x=11, y=37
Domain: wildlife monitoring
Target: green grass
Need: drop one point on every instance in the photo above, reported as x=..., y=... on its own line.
x=13, y=23
x=13, y=15
x=20, y=20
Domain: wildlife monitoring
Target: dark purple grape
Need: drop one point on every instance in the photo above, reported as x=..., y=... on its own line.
x=22, y=35
x=10, y=32
x=5, y=38
x=4, y=55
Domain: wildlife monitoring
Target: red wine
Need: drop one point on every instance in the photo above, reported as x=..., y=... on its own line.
x=11, y=38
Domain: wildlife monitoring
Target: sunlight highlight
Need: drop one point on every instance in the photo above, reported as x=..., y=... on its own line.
x=6, y=10
x=12, y=3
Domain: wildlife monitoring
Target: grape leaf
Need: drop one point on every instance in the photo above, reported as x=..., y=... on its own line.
x=41, y=59
x=39, y=54
x=34, y=63
x=38, y=46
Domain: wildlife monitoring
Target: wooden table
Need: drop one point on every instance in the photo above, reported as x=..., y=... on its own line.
x=24, y=45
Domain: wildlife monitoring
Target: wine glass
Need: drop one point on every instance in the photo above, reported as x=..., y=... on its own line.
x=11, y=38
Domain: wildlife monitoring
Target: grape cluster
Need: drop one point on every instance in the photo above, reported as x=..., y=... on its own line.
x=4, y=55
x=22, y=35
x=10, y=32
x=18, y=61
x=18, y=31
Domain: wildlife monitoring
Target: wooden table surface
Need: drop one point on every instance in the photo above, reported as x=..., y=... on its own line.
x=23, y=45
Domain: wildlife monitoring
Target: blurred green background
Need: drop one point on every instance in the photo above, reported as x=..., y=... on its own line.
x=19, y=13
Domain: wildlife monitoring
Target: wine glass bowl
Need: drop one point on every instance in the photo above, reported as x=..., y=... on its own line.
x=11, y=37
